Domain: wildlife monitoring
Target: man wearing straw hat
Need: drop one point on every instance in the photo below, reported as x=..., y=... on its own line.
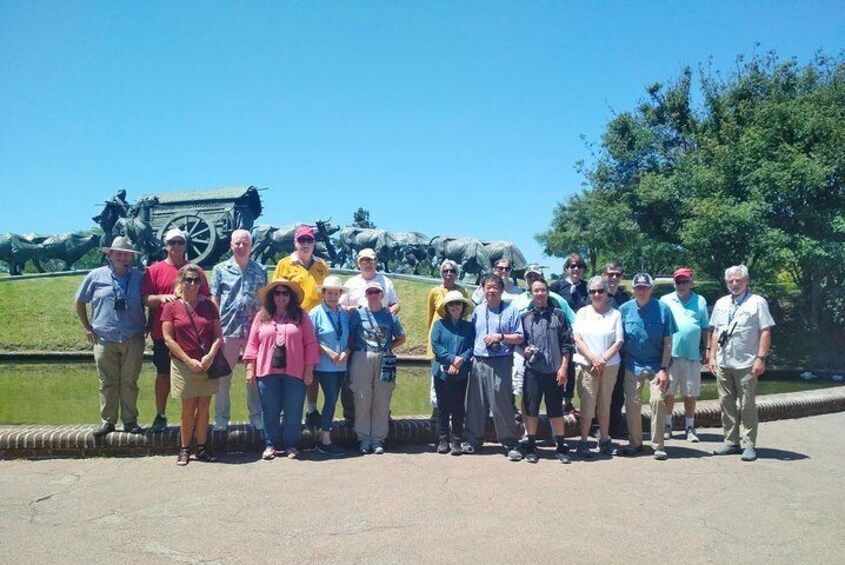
x=116, y=331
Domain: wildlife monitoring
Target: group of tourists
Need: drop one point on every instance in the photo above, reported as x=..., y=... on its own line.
x=306, y=329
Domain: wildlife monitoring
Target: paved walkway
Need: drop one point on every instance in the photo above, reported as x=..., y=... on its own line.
x=419, y=507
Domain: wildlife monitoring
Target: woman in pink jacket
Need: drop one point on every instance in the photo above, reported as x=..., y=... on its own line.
x=280, y=356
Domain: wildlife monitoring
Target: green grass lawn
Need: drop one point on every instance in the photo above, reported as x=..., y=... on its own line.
x=39, y=314
x=66, y=393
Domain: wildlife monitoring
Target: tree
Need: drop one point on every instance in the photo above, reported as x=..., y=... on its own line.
x=361, y=219
x=753, y=174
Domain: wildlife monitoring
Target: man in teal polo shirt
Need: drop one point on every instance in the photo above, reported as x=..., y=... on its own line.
x=648, y=327
x=688, y=349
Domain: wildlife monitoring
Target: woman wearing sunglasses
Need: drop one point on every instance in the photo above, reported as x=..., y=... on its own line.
x=280, y=356
x=598, y=336
x=192, y=333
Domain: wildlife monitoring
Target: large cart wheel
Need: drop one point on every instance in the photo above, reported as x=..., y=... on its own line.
x=201, y=234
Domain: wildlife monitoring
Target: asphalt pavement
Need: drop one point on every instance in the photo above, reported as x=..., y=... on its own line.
x=415, y=506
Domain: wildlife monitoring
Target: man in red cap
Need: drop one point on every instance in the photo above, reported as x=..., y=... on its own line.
x=308, y=272
x=689, y=345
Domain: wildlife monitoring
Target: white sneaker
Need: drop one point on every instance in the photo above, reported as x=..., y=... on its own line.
x=378, y=449
x=691, y=435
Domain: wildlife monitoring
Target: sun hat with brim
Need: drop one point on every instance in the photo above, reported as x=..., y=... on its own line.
x=295, y=288
x=366, y=253
x=120, y=243
x=454, y=296
x=332, y=282
x=174, y=233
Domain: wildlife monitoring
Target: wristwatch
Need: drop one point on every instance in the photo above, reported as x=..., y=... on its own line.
x=762, y=357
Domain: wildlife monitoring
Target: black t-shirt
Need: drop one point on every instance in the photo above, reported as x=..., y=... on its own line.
x=574, y=294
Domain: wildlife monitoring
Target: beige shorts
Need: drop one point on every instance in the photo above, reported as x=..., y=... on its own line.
x=594, y=391
x=685, y=374
x=184, y=383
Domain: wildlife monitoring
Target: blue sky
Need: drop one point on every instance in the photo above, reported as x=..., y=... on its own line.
x=457, y=118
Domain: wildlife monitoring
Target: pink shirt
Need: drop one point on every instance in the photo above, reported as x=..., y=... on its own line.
x=302, y=349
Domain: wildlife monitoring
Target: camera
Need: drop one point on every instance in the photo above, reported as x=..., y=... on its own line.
x=280, y=357
x=388, y=368
x=495, y=346
x=724, y=337
x=120, y=304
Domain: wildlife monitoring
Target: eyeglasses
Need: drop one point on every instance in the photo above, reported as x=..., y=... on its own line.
x=305, y=240
x=500, y=268
x=373, y=292
x=281, y=293
x=613, y=275
x=191, y=280
x=365, y=260
x=176, y=242
x=448, y=271
x=598, y=291
x=575, y=266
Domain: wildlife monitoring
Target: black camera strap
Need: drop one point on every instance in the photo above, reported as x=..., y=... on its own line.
x=203, y=348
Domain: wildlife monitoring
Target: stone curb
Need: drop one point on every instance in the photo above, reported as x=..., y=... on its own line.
x=48, y=441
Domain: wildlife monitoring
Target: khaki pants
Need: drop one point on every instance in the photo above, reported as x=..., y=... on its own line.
x=634, y=385
x=594, y=391
x=372, y=396
x=119, y=366
x=739, y=422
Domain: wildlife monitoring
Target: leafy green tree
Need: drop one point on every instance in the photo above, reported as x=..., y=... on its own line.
x=753, y=174
x=361, y=219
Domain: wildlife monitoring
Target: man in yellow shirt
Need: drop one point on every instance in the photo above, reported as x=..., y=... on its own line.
x=308, y=272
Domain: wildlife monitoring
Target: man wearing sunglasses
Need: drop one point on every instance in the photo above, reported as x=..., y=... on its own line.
x=309, y=272
x=502, y=268
x=157, y=290
x=573, y=289
x=689, y=344
x=616, y=297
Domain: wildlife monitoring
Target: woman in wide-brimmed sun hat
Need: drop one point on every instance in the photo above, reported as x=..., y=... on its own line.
x=452, y=338
x=280, y=356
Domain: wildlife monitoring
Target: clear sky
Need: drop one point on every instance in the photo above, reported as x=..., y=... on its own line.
x=459, y=118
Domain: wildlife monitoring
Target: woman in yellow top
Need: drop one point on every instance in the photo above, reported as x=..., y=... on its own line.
x=308, y=272
x=449, y=274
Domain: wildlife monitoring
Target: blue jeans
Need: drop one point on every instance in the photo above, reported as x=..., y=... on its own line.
x=330, y=382
x=278, y=393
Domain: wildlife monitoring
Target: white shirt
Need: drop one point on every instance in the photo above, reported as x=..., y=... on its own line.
x=355, y=291
x=751, y=318
x=599, y=332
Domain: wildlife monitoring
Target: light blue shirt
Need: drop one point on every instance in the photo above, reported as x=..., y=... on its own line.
x=504, y=320
x=690, y=318
x=236, y=291
x=101, y=289
x=645, y=329
x=332, y=331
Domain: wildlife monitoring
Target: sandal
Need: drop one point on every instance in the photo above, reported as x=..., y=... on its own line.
x=184, y=457
x=204, y=454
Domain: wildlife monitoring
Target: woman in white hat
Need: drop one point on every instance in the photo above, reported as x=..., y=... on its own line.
x=116, y=331
x=452, y=339
x=375, y=332
x=280, y=356
x=331, y=323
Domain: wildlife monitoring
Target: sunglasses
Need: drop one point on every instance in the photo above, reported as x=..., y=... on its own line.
x=598, y=291
x=614, y=275
x=373, y=292
x=281, y=293
x=502, y=268
x=176, y=242
x=191, y=280
x=448, y=271
x=684, y=281
x=575, y=267
x=305, y=240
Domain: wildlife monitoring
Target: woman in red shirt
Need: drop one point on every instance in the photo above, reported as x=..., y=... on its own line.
x=280, y=356
x=191, y=328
